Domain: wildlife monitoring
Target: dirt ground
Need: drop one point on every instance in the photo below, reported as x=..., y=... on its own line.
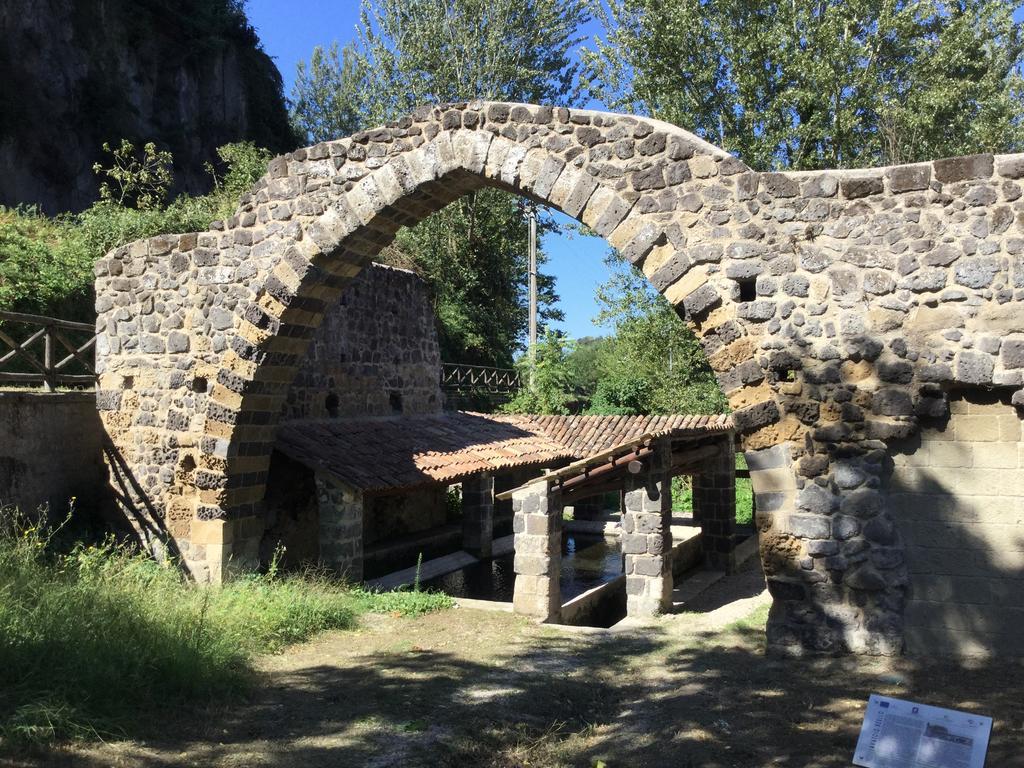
x=473, y=688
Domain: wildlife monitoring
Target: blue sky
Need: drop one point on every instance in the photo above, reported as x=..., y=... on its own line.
x=289, y=32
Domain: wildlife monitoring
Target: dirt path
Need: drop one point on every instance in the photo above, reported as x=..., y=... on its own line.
x=472, y=688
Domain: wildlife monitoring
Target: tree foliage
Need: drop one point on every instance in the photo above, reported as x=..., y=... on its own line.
x=46, y=264
x=413, y=52
x=652, y=363
x=551, y=387
x=819, y=83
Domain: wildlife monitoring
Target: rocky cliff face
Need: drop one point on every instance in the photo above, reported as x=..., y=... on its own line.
x=189, y=75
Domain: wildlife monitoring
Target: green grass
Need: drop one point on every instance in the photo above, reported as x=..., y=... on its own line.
x=96, y=640
x=682, y=495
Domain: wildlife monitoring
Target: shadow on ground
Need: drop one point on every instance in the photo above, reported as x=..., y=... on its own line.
x=467, y=688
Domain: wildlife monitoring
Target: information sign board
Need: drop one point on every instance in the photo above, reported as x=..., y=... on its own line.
x=905, y=734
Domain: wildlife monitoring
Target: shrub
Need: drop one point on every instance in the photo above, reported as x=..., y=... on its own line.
x=46, y=264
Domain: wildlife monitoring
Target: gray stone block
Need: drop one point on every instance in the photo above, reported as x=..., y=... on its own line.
x=963, y=168
x=890, y=401
x=974, y=368
x=816, y=500
x=1012, y=353
x=862, y=503
x=977, y=272
x=780, y=185
x=845, y=527
x=910, y=178
x=810, y=526
x=861, y=186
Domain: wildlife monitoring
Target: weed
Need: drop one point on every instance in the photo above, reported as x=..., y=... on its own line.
x=95, y=640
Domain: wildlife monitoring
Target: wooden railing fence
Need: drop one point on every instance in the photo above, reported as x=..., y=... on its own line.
x=52, y=355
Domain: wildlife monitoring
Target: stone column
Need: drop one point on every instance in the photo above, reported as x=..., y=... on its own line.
x=714, y=507
x=647, y=535
x=478, y=514
x=341, y=528
x=538, y=547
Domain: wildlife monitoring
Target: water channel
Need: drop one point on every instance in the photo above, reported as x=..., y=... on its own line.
x=588, y=560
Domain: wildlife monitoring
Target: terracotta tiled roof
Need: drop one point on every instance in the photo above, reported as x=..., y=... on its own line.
x=406, y=452
x=587, y=435
x=409, y=451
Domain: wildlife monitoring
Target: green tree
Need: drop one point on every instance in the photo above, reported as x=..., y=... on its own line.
x=585, y=363
x=329, y=96
x=819, y=83
x=414, y=52
x=551, y=384
x=654, y=363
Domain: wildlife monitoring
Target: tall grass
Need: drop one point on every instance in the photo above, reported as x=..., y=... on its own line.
x=93, y=640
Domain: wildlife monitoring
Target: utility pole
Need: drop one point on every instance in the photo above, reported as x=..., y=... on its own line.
x=533, y=295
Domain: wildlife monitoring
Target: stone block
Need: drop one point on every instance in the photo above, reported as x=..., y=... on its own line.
x=539, y=524
x=533, y=565
x=649, y=565
x=910, y=178
x=845, y=527
x=809, y=526
x=975, y=367
x=780, y=185
x=634, y=543
x=862, y=503
x=865, y=577
x=963, y=168
x=983, y=429
x=854, y=187
x=1012, y=353
x=700, y=301
x=977, y=272
x=755, y=416
x=1011, y=166
x=890, y=401
x=821, y=185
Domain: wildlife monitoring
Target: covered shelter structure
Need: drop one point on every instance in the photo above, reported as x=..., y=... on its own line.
x=368, y=472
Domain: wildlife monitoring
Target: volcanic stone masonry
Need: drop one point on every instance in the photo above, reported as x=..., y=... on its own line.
x=838, y=309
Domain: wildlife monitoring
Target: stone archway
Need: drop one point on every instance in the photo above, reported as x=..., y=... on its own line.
x=822, y=299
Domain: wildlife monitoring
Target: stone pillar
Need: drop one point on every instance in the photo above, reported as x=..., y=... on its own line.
x=341, y=528
x=647, y=535
x=714, y=507
x=478, y=514
x=538, y=547
x=832, y=556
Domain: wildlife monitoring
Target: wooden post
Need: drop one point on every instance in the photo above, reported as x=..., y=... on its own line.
x=48, y=373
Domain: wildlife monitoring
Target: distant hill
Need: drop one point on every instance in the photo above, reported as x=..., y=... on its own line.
x=187, y=74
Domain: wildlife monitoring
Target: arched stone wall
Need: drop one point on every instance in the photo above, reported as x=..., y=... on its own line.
x=836, y=307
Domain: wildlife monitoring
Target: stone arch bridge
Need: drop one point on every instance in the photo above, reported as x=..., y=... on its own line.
x=838, y=308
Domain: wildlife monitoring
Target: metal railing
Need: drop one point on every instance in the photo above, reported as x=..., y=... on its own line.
x=54, y=354
x=480, y=378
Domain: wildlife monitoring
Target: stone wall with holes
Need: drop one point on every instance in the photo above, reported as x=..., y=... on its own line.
x=51, y=451
x=956, y=492
x=375, y=353
x=837, y=307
